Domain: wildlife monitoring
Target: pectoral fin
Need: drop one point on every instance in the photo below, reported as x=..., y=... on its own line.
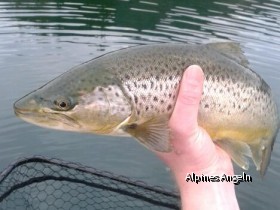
x=153, y=134
x=238, y=151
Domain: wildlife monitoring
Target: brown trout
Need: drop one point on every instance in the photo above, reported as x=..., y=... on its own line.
x=133, y=92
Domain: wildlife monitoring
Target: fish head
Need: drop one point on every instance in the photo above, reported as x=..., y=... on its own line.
x=74, y=105
x=47, y=110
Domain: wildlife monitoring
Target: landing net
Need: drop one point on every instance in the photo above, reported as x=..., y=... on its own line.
x=46, y=183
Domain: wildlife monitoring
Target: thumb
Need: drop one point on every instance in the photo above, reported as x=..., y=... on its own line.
x=183, y=121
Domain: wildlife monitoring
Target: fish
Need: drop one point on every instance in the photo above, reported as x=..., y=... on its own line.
x=132, y=92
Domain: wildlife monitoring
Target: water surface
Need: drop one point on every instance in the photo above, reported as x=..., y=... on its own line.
x=40, y=40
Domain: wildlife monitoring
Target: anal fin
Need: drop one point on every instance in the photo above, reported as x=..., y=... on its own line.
x=259, y=151
x=238, y=151
x=153, y=134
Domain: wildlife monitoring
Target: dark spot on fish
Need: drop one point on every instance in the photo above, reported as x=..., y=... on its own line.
x=169, y=95
x=147, y=108
x=174, y=68
x=206, y=106
x=132, y=126
x=223, y=77
x=144, y=86
x=155, y=98
x=170, y=77
x=162, y=101
x=162, y=71
x=152, y=84
x=136, y=99
x=100, y=89
x=117, y=94
x=160, y=87
x=100, y=99
x=169, y=107
x=122, y=109
x=138, y=112
x=157, y=77
x=239, y=107
x=127, y=76
x=135, y=84
x=143, y=97
x=128, y=87
x=178, y=73
x=109, y=88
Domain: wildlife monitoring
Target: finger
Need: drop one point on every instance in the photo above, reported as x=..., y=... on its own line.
x=184, y=117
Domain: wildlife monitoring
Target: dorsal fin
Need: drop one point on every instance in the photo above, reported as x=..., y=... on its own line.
x=231, y=50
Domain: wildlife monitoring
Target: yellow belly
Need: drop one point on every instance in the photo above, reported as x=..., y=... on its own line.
x=245, y=134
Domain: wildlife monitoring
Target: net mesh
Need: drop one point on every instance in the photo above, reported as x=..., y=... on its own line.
x=44, y=183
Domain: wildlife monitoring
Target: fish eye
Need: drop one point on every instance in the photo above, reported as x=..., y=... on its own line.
x=63, y=104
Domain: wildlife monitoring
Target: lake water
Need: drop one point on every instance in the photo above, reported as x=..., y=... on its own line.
x=39, y=41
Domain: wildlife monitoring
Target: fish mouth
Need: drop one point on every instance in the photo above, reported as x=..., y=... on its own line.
x=47, y=119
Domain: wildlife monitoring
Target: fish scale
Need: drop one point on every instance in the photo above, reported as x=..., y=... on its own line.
x=133, y=92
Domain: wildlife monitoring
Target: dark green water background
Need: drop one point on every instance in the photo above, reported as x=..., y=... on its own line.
x=41, y=39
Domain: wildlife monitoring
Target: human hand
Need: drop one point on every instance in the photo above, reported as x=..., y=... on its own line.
x=195, y=152
x=193, y=149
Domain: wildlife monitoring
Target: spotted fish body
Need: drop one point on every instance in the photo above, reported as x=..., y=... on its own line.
x=133, y=91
